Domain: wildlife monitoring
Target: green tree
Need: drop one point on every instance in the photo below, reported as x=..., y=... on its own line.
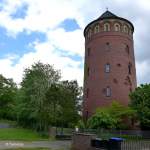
x=65, y=101
x=32, y=108
x=102, y=119
x=7, y=96
x=140, y=101
x=113, y=116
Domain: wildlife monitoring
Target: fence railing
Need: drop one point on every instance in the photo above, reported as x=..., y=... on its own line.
x=127, y=134
x=135, y=145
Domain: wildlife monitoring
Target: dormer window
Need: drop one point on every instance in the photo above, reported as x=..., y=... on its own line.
x=117, y=27
x=89, y=33
x=106, y=27
x=96, y=29
x=125, y=29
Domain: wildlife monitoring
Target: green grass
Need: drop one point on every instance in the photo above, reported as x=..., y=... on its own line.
x=31, y=149
x=20, y=134
x=34, y=149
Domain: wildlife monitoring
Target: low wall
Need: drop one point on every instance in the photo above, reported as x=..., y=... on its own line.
x=81, y=141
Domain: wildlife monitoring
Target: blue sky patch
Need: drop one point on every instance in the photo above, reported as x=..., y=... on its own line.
x=1, y=4
x=18, y=45
x=20, y=12
x=69, y=25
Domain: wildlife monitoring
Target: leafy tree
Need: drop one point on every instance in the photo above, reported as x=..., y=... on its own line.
x=113, y=116
x=7, y=94
x=140, y=101
x=32, y=109
x=71, y=102
x=65, y=99
x=102, y=119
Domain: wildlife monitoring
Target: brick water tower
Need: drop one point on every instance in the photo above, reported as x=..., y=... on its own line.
x=109, y=72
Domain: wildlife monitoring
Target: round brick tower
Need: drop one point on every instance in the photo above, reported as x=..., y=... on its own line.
x=109, y=72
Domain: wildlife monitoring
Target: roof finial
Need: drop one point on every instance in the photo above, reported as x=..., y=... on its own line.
x=107, y=8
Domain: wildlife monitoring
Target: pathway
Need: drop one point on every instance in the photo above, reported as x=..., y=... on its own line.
x=44, y=144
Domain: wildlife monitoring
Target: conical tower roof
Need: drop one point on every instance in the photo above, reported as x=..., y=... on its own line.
x=109, y=15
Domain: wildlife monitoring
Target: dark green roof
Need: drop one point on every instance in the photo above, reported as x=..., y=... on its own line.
x=109, y=15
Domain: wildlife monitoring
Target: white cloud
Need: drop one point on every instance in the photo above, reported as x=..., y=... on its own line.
x=72, y=42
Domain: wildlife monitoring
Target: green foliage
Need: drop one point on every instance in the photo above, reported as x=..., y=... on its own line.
x=64, y=98
x=31, y=149
x=7, y=97
x=111, y=117
x=140, y=101
x=44, y=100
x=32, y=107
x=82, y=124
x=102, y=119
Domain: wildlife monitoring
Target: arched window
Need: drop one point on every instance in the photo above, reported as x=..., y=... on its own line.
x=108, y=91
x=117, y=27
x=96, y=29
x=130, y=31
x=89, y=33
x=106, y=27
x=107, y=68
x=125, y=29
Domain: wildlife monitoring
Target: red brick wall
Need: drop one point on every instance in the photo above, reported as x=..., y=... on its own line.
x=118, y=77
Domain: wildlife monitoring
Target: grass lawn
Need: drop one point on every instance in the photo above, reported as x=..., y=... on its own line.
x=31, y=149
x=34, y=149
x=20, y=134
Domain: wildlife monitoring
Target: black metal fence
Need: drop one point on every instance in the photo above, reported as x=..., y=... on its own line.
x=126, y=134
x=135, y=145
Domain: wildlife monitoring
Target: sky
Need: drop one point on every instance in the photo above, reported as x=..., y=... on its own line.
x=51, y=31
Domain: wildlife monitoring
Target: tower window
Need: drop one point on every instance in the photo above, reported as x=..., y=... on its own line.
x=117, y=27
x=96, y=29
x=127, y=49
x=130, y=31
x=108, y=91
x=89, y=33
x=107, y=68
x=88, y=71
x=129, y=68
x=125, y=29
x=106, y=27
